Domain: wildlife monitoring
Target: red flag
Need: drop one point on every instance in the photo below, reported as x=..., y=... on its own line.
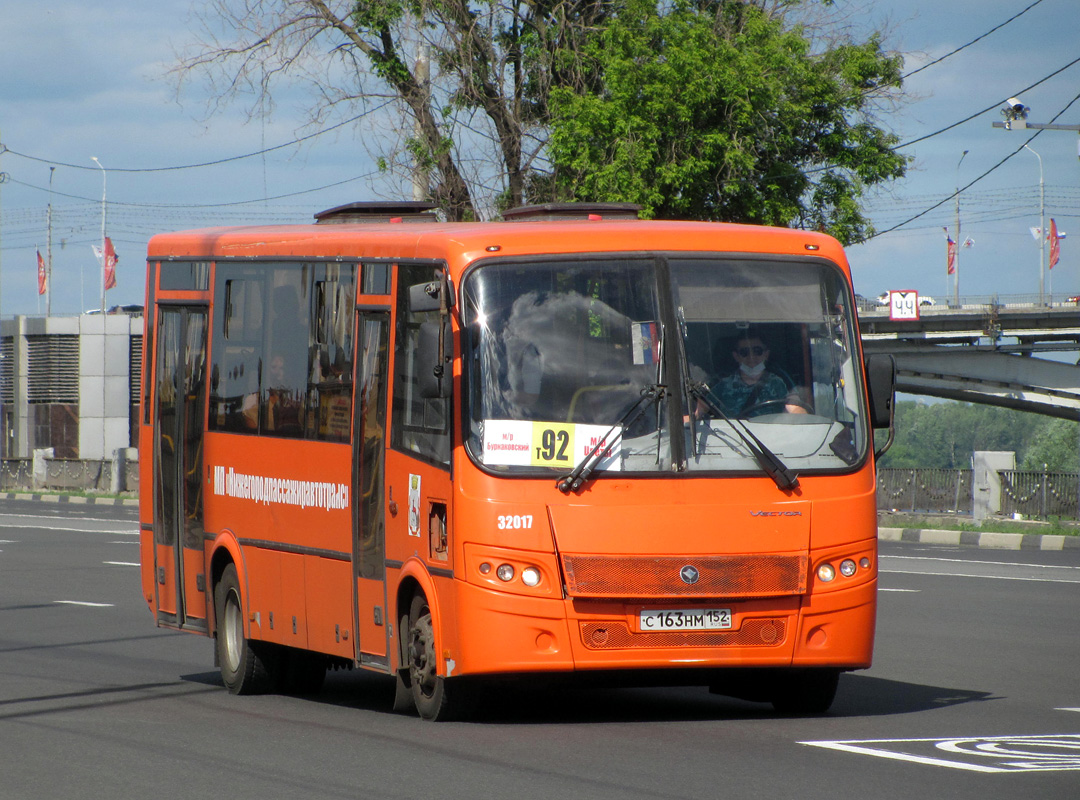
x=41, y=274
x=1055, y=244
x=951, y=248
x=110, y=264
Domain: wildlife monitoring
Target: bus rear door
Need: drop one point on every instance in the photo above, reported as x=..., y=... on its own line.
x=179, y=415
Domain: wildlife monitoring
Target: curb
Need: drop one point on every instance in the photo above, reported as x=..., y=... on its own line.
x=74, y=500
x=984, y=539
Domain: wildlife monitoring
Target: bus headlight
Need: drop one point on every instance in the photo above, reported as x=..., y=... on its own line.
x=847, y=567
x=530, y=576
x=826, y=572
x=505, y=572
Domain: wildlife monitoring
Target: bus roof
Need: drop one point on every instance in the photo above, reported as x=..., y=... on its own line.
x=461, y=243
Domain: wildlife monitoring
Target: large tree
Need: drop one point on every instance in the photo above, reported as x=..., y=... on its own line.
x=721, y=109
x=455, y=89
x=725, y=110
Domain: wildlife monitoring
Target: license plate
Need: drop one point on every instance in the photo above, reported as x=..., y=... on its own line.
x=685, y=619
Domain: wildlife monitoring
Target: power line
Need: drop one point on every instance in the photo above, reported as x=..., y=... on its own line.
x=973, y=41
x=980, y=177
x=5, y=149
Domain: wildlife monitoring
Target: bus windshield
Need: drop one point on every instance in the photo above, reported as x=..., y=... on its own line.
x=582, y=356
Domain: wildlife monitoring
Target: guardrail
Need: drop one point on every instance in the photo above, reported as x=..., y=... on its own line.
x=1024, y=494
x=60, y=474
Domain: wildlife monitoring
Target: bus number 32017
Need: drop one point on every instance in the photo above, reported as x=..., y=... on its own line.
x=515, y=521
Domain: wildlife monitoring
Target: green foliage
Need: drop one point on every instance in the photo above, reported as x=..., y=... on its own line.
x=715, y=110
x=944, y=435
x=1056, y=445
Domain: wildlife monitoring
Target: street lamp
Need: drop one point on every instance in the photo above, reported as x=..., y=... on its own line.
x=104, y=182
x=1042, y=223
x=1016, y=113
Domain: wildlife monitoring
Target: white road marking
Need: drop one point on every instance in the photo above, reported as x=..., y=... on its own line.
x=82, y=603
x=966, y=568
x=123, y=563
x=993, y=754
x=911, y=591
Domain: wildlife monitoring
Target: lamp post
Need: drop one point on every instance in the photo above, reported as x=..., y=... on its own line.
x=104, y=183
x=1042, y=224
x=959, y=238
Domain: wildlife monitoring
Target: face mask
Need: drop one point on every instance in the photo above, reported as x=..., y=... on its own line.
x=754, y=371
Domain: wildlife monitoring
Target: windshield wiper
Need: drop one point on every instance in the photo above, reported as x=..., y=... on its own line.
x=650, y=394
x=766, y=458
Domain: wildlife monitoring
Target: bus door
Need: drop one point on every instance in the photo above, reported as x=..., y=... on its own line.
x=369, y=447
x=180, y=401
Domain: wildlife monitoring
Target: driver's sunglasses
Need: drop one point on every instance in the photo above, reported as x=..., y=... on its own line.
x=757, y=350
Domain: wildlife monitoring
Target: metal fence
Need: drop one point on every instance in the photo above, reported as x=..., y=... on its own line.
x=927, y=491
x=1030, y=495
x=66, y=474
x=1040, y=495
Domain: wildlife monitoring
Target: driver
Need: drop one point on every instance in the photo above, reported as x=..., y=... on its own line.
x=752, y=389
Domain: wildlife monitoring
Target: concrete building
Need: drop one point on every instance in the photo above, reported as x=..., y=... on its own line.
x=71, y=384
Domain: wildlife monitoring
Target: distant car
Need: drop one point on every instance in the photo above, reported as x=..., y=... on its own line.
x=883, y=299
x=1075, y=299
x=926, y=300
x=128, y=309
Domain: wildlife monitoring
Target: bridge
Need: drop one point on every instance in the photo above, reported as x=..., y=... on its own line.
x=989, y=350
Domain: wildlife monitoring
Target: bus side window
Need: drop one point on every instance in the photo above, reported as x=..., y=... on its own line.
x=285, y=367
x=330, y=390
x=419, y=426
x=236, y=351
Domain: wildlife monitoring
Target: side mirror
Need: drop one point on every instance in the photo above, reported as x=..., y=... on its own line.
x=881, y=384
x=428, y=296
x=432, y=374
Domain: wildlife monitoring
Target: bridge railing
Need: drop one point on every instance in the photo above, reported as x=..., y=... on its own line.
x=1031, y=495
x=1040, y=495
x=928, y=491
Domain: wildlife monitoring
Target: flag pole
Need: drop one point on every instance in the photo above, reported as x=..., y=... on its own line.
x=104, y=183
x=48, y=251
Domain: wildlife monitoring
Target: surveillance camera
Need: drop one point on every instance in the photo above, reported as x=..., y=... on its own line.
x=1015, y=102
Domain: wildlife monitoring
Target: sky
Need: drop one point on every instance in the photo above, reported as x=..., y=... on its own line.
x=84, y=80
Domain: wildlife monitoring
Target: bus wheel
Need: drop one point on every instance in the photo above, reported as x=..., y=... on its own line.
x=806, y=691
x=428, y=689
x=246, y=667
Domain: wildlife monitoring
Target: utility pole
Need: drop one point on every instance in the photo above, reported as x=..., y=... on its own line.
x=959, y=238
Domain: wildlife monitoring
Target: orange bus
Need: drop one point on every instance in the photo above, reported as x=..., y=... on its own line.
x=567, y=442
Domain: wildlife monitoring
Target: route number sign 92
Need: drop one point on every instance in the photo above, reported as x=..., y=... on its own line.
x=903, y=304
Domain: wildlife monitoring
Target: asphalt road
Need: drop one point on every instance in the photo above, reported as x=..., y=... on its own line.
x=974, y=693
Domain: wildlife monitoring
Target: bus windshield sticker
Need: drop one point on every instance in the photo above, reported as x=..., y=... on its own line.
x=646, y=342
x=521, y=443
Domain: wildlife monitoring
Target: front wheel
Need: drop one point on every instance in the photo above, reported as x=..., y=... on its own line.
x=431, y=693
x=246, y=667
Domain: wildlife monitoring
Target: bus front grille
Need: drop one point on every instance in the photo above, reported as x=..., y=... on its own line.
x=685, y=576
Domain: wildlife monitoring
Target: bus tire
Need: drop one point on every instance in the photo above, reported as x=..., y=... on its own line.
x=246, y=666
x=806, y=691
x=430, y=691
